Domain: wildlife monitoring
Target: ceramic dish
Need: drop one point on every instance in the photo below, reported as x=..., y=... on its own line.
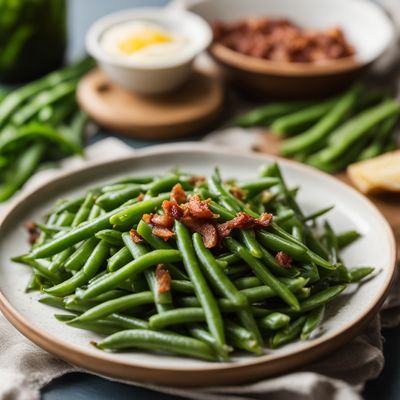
x=344, y=318
x=150, y=77
x=365, y=25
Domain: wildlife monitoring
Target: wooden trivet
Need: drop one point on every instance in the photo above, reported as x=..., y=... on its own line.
x=189, y=109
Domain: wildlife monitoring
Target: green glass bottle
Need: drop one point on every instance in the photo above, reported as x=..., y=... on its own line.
x=32, y=38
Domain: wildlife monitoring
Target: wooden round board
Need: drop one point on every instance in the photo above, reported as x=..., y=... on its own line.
x=388, y=203
x=191, y=108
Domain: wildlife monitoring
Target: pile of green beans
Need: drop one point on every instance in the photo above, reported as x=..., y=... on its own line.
x=331, y=134
x=39, y=123
x=236, y=296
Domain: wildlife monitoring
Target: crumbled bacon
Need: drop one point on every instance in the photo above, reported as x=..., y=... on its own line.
x=163, y=279
x=197, y=216
x=243, y=221
x=33, y=232
x=237, y=192
x=162, y=232
x=283, y=259
x=199, y=208
x=178, y=195
x=197, y=180
x=165, y=221
x=136, y=238
x=140, y=197
x=172, y=209
x=206, y=229
x=264, y=220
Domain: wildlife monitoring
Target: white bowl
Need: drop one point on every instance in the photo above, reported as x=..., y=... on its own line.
x=151, y=78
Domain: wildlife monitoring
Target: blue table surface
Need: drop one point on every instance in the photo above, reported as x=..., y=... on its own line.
x=81, y=386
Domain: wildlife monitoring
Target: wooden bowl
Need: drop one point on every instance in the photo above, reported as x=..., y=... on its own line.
x=365, y=25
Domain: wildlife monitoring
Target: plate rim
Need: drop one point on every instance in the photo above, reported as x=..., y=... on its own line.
x=102, y=363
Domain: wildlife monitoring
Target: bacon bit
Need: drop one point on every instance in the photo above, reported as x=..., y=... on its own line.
x=140, y=197
x=283, y=259
x=243, y=221
x=197, y=180
x=264, y=220
x=199, y=208
x=162, y=232
x=33, y=232
x=172, y=209
x=178, y=195
x=237, y=192
x=164, y=221
x=206, y=229
x=147, y=218
x=136, y=238
x=163, y=279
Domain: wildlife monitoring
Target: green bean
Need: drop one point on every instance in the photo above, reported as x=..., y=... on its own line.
x=103, y=327
x=22, y=168
x=277, y=243
x=119, y=259
x=163, y=184
x=242, y=339
x=88, y=271
x=42, y=268
x=258, y=185
x=19, y=96
x=198, y=332
x=344, y=239
x=176, y=317
x=228, y=259
x=314, y=318
x=203, y=292
x=288, y=334
x=383, y=132
x=131, y=269
x=216, y=277
x=266, y=114
x=75, y=235
x=259, y=293
x=298, y=120
x=112, y=237
x=60, y=258
x=157, y=243
x=163, y=301
x=274, y=321
x=312, y=139
x=347, y=134
x=317, y=214
x=78, y=258
x=248, y=238
x=284, y=216
x=69, y=205
x=158, y=341
x=110, y=200
x=247, y=282
x=132, y=215
x=115, y=305
x=263, y=274
x=357, y=274
x=84, y=210
x=41, y=100
x=310, y=271
x=182, y=286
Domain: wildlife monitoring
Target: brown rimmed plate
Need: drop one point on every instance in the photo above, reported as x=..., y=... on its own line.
x=345, y=317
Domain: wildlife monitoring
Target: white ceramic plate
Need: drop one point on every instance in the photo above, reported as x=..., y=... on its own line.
x=345, y=317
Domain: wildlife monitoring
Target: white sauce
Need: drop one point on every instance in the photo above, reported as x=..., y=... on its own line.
x=130, y=41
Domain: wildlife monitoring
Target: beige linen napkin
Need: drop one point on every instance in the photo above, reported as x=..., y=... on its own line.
x=25, y=368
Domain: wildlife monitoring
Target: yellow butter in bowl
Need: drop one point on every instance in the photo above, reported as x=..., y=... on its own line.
x=380, y=174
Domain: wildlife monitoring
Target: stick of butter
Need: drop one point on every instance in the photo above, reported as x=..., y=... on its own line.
x=378, y=174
